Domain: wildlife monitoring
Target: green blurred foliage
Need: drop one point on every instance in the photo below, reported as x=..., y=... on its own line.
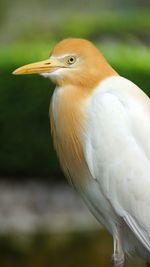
x=124, y=26
x=26, y=146
x=26, y=149
x=66, y=250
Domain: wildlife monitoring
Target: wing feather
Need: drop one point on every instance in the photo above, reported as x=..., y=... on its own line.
x=117, y=151
x=140, y=233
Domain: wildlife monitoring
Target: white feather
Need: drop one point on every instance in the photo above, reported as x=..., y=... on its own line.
x=118, y=155
x=57, y=73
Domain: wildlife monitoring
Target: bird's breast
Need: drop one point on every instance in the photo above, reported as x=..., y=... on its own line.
x=68, y=120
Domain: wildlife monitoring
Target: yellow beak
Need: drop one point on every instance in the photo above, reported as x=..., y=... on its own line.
x=44, y=66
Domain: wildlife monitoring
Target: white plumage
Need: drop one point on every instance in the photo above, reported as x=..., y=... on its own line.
x=117, y=152
x=101, y=128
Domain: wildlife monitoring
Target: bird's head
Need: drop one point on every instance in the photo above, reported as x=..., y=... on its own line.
x=72, y=61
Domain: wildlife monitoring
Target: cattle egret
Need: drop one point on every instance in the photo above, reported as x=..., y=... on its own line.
x=100, y=124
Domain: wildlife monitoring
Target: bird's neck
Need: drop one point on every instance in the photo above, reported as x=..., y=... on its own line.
x=68, y=113
x=67, y=116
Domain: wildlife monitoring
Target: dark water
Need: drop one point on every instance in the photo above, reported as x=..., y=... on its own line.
x=86, y=249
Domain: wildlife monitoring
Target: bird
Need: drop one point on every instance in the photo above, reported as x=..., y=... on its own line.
x=100, y=124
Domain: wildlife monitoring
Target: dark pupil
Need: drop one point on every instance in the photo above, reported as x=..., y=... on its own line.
x=71, y=59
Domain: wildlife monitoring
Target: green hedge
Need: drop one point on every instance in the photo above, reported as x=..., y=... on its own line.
x=26, y=146
x=127, y=25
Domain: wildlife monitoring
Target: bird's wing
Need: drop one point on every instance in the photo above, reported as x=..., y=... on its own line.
x=117, y=151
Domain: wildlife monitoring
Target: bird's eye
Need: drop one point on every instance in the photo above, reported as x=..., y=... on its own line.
x=71, y=60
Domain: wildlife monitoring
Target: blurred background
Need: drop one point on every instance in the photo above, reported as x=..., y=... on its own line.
x=42, y=220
